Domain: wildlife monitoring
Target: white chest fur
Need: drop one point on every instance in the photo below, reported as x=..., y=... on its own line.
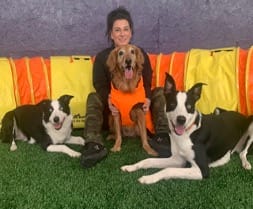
x=182, y=145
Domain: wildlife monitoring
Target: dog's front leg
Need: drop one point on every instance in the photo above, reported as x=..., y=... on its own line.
x=192, y=173
x=118, y=137
x=174, y=161
x=63, y=149
x=75, y=140
x=140, y=120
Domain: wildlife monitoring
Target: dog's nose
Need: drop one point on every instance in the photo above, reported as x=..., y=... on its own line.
x=56, y=119
x=128, y=61
x=181, y=120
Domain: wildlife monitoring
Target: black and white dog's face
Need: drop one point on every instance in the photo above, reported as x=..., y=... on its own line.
x=180, y=106
x=56, y=111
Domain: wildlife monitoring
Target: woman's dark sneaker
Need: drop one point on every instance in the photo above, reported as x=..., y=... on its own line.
x=92, y=153
x=161, y=144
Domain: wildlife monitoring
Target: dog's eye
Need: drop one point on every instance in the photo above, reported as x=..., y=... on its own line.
x=132, y=51
x=188, y=106
x=61, y=108
x=121, y=53
x=50, y=109
x=171, y=106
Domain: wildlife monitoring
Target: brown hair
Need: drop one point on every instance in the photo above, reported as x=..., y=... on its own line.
x=117, y=14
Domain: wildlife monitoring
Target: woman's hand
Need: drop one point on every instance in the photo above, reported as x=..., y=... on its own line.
x=146, y=105
x=113, y=109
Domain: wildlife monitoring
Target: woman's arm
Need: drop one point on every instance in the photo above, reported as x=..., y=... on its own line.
x=147, y=75
x=101, y=77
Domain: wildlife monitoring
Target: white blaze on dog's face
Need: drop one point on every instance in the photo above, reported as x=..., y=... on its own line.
x=56, y=111
x=57, y=116
x=180, y=106
x=180, y=112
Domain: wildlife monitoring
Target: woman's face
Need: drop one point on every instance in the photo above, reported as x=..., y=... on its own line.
x=121, y=33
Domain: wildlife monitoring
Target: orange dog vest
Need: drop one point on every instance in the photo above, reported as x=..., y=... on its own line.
x=125, y=101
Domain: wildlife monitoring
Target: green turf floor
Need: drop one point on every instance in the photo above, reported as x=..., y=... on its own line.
x=33, y=178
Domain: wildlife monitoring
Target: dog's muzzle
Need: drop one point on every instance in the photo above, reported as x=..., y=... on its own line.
x=128, y=69
x=179, y=127
x=57, y=123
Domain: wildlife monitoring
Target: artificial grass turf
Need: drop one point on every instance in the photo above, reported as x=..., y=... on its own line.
x=33, y=178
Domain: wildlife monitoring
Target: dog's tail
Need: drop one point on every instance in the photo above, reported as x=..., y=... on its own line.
x=7, y=129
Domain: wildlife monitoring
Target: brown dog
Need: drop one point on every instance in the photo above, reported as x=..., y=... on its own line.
x=128, y=95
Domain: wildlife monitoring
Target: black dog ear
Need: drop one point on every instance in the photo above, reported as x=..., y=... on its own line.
x=196, y=90
x=169, y=84
x=65, y=98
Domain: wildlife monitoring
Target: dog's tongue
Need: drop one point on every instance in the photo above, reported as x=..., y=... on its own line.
x=57, y=126
x=128, y=73
x=179, y=130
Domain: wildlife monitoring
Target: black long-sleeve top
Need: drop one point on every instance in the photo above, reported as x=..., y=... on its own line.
x=102, y=76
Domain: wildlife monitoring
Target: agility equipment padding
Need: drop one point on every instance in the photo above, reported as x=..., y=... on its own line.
x=162, y=67
x=177, y=68
x=249, y=81
x=23, y=81
x=31, y=81
x=216, y=68
x=7, y=96
x=72, y=75
x=173, y=63
x=40, y=81
x=153, y=60
x=228, y=73
x=241, y=61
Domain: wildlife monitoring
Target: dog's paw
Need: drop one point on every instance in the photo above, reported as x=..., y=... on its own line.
x=128, y=168
x=13, y=147
x=116, y=149
x=246, y=165
x=75, y=140
x=148, y=179
x=74, y=154
x=81, y=140
x=152, y=152
x=32, y=141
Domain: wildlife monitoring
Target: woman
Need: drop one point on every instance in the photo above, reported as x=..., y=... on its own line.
x=119, y=31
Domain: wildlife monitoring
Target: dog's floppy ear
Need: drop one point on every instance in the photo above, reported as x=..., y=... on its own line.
x=195, y=91
x=139, y=57
x=111, y=61
x=65, y=98
x=169, y=84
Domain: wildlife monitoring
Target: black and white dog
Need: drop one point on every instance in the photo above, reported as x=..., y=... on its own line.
x=48, y=123
x=197, y=141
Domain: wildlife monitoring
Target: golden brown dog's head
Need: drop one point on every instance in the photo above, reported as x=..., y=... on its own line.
x=125, y=64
